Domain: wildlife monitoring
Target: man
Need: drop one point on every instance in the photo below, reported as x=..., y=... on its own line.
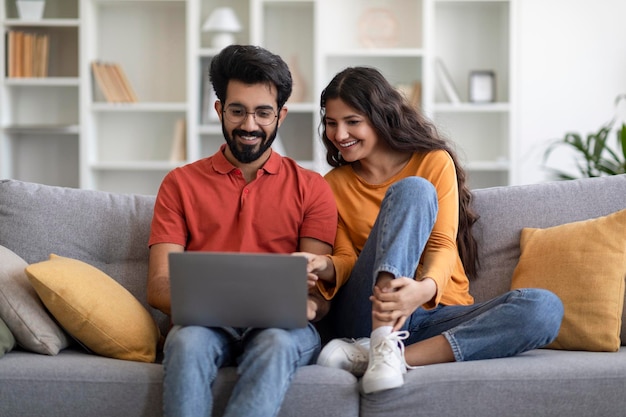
x=228, y=202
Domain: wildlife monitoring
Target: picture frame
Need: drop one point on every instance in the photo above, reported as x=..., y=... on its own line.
x=482, y=86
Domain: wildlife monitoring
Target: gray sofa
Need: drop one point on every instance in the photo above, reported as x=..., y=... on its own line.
x=110, y=232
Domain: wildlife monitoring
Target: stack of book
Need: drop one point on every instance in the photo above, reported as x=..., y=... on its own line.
x=27, y=54
x=113, y=83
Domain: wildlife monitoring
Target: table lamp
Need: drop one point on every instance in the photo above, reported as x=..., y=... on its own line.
x=224, y=23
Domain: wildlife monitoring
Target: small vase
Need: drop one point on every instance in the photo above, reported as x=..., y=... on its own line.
x=30, y=9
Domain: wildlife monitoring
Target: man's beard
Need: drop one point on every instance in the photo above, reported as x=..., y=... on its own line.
x=248, y=153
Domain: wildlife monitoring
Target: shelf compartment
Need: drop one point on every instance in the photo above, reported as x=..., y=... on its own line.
x=372, y=25
x=63, y=47
x=473, y=35
x=288, y=29
x=478, y=136
x=125, y=137
x=144, y=38
x=52, y=105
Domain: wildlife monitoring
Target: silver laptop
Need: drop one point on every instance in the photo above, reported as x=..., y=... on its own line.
x=216, y=289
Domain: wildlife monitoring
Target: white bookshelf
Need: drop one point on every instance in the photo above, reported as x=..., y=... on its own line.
x=39, y=117
x=469, y=35
x=127, y=145
x=59, y=129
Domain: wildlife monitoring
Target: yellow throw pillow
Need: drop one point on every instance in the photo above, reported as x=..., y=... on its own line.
x=95, y=309
x=584, y=263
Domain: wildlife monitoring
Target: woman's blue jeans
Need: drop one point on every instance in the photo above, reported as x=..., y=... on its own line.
x=266, y=361
x=512, y=323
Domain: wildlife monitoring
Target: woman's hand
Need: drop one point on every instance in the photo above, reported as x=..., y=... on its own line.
x=318, y=267
x=396, y=300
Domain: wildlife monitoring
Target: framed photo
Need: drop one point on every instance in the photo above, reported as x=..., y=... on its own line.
x=482, y=86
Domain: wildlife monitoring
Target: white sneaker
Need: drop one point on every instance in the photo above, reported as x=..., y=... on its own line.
x=350, y=355
x=386, y=364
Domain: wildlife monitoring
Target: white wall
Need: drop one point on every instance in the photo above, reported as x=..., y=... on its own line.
x=571, y=63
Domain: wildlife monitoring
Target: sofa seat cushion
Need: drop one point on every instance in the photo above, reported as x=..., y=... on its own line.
x=584, y=263
x=74, y=383
x=536, y=383
x=314, y=390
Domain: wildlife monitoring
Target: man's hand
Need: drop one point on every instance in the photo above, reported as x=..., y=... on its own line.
x=316, y=306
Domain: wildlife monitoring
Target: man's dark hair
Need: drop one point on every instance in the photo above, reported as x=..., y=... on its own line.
x=250, y=65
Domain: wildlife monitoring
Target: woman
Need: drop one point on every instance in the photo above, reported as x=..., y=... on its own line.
x=404, y=248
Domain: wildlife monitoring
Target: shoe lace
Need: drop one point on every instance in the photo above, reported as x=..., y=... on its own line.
x=388, y=347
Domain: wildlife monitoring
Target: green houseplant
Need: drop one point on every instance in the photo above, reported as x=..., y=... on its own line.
x=596, y=154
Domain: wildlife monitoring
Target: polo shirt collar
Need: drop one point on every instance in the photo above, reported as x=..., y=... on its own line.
x=223, y=166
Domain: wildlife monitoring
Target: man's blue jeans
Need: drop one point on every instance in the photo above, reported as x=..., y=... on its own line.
x=266, y=361
x=512, y=323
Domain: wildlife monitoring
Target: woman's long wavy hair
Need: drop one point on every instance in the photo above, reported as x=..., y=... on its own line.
x=400, y=125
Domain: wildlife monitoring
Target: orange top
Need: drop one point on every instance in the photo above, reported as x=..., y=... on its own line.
x=358, y=204
x=207, y=206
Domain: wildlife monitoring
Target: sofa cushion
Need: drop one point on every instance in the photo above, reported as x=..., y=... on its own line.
x=74, y=383
x=505, y=211
x=22, y=310
x=584, y=263
x=95, y=309
x=7, y=341
x=541, y=382
x=107, y=230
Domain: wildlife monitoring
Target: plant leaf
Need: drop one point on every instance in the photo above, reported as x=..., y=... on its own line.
x=621, y=140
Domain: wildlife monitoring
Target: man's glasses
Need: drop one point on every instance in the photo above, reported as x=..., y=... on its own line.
x=237, y=114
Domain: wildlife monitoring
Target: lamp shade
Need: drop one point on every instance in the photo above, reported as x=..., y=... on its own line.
x=222, y=19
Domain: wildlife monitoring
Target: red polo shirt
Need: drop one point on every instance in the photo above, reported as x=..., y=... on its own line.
x=207, y=206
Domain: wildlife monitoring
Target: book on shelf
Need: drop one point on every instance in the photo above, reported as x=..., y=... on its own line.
x=112, y=83
x=446, y=82
x=27, y=62
x=99, y=77
x=11, y=54
x=412, y=92
x=27, y=54
x=129, y=93
x=42, y=46
x=178, y=151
